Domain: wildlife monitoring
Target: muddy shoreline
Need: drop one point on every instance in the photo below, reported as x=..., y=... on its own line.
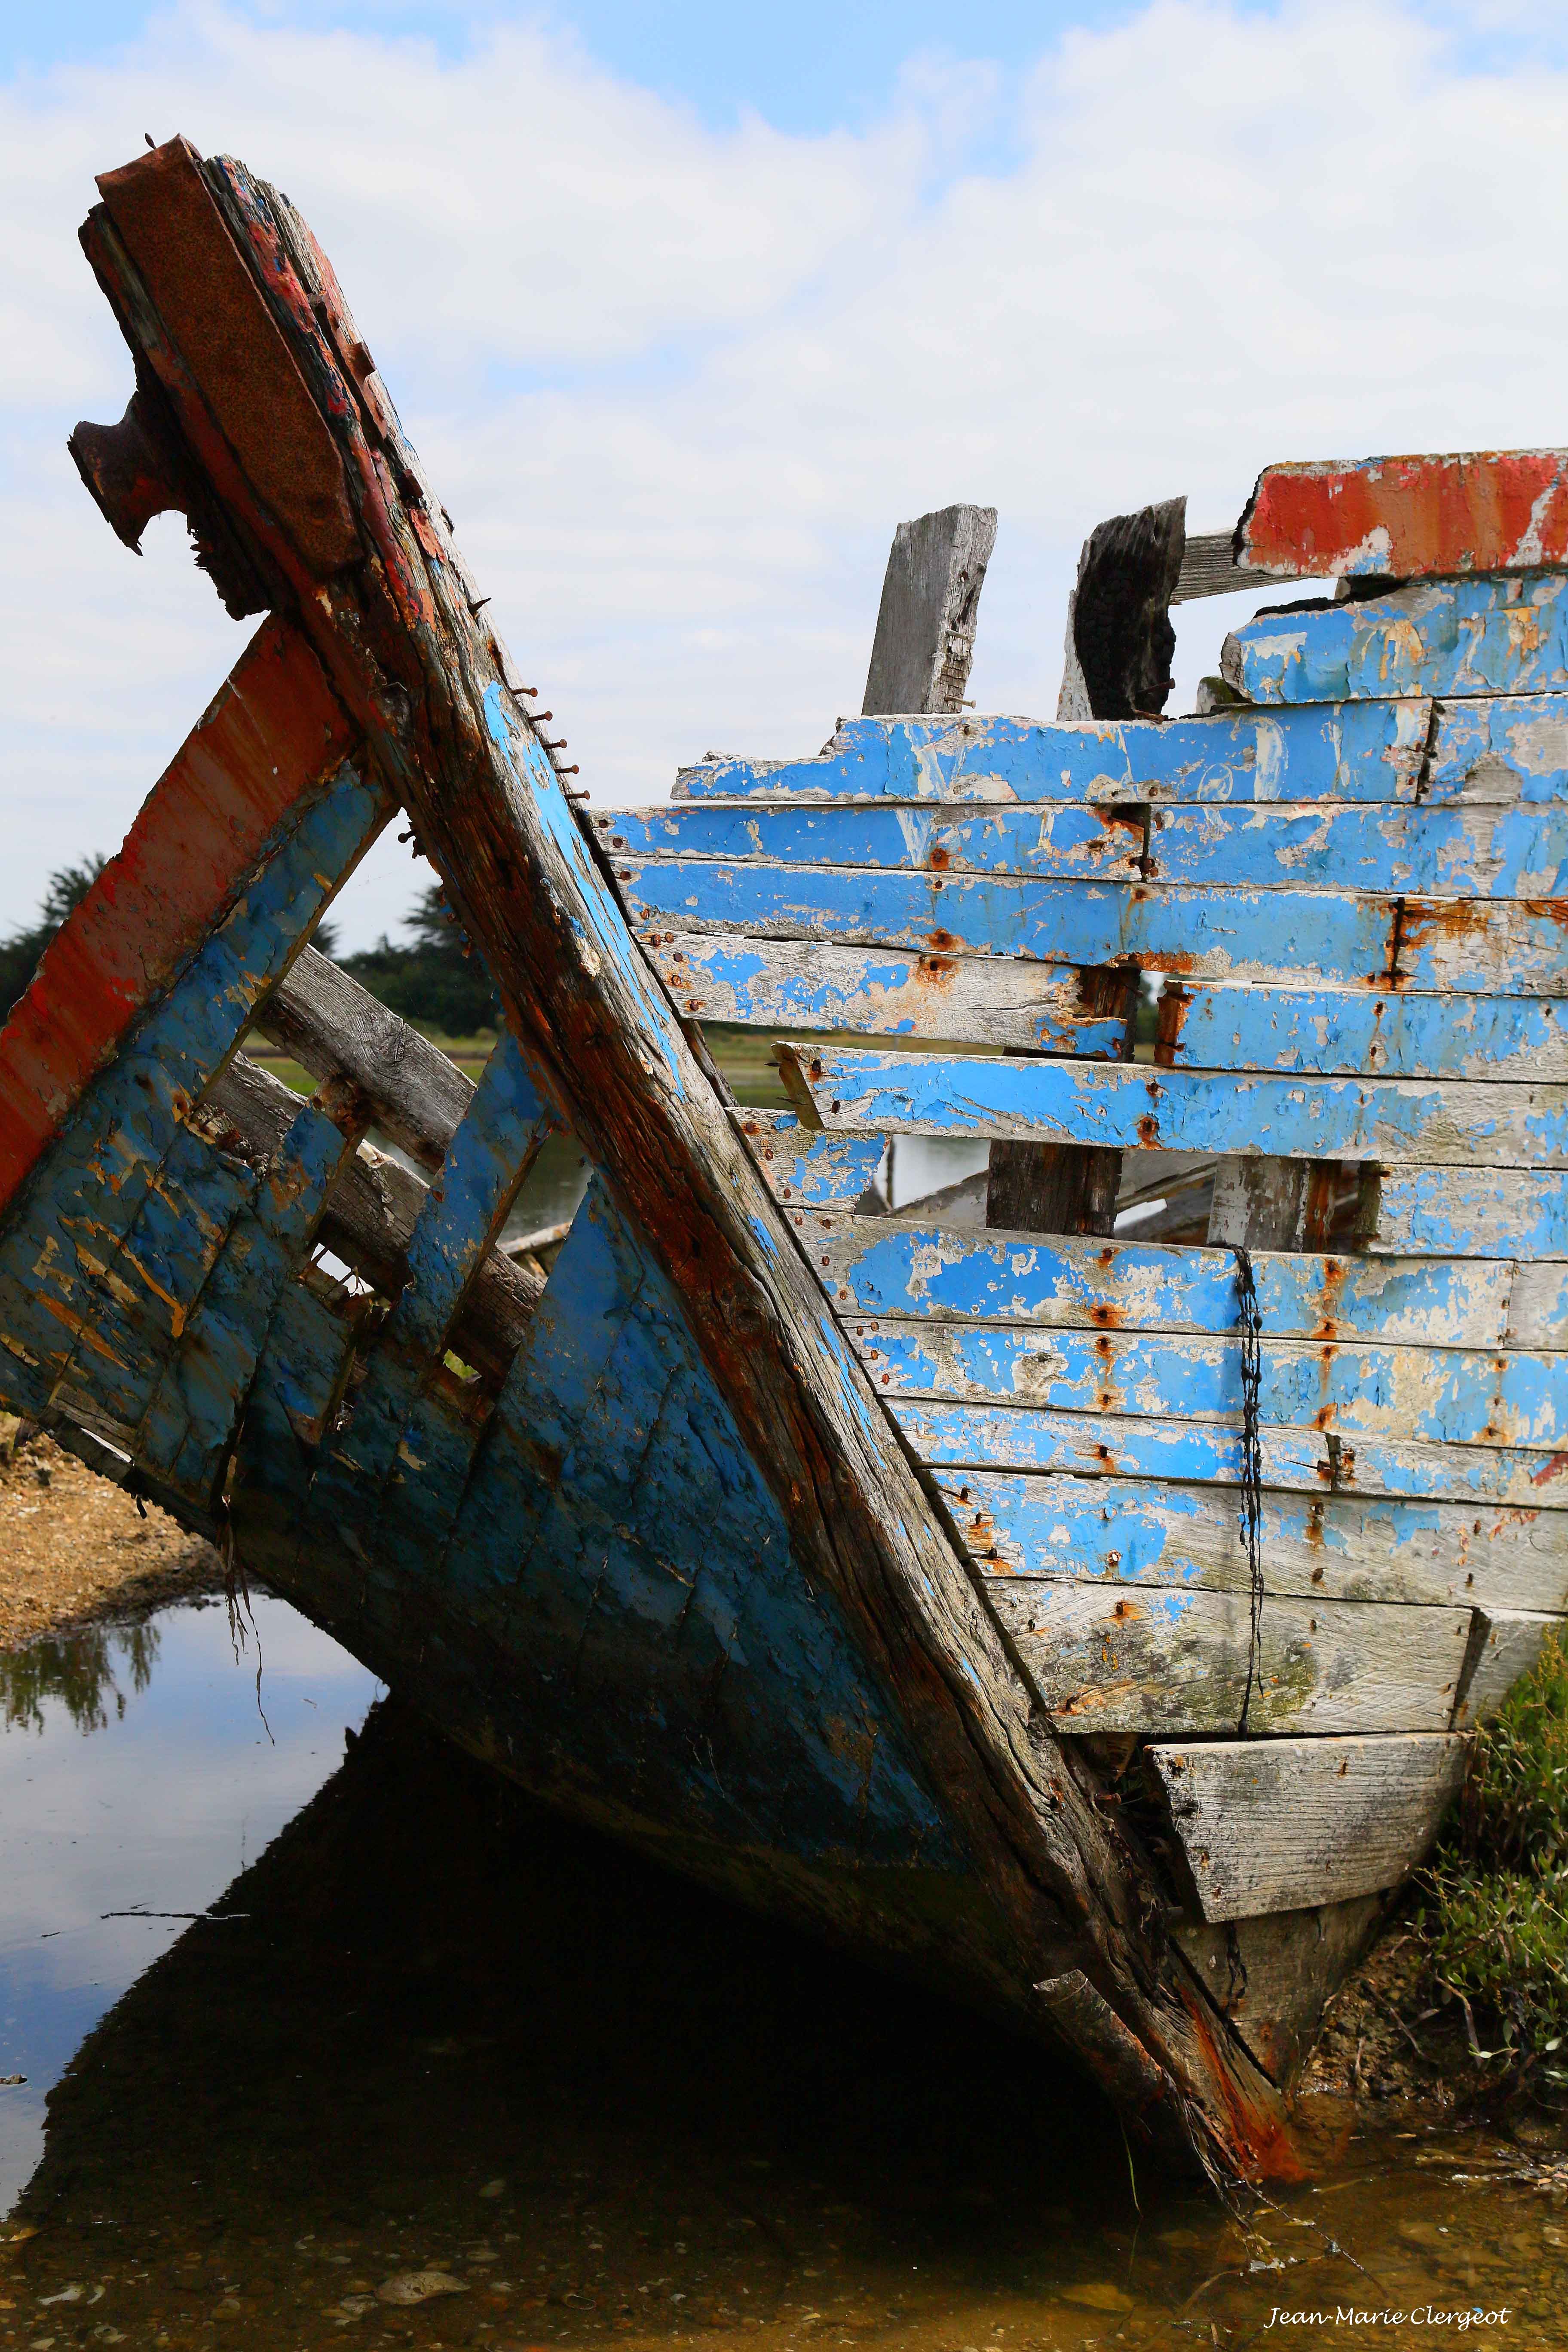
x=76, y=1552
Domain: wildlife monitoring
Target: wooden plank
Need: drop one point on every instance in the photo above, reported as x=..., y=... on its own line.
x=1407, y=517
x=271, y=736
x=1440, y=637
x=882, y=1266
x=322, y=1016
x=1131, y=1107
x=1107, y=1658
x=1269, y=1826
x=1062, y=837
x=1505, y=749
x=1443, y=850
x=487, y=799
x=1209, y=568
x=924, y=644
x=801, y=984
x=1197, y=931
x=1386, y=1035
x=1341, y=1547
x=1504, y=1644
x=1363, y=751
x=191, y=1420
x=1458, y=1396
x=804, y=1170
x=1295, y=1460
x=1538, y=1306
x=84, y=1194
x=1480, y=1212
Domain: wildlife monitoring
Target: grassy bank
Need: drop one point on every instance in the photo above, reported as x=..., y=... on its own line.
x=1496, y=1915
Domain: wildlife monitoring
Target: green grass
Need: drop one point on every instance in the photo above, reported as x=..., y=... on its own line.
x=1497, y=1914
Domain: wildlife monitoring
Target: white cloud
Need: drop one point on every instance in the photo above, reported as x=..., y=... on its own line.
x=676, y=384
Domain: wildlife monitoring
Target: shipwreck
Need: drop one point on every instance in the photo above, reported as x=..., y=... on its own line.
x=1074, y=1588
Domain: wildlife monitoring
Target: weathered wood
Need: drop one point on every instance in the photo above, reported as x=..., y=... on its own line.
x=1392, y=1036
x=1504, y=750
x=1112, y=1658
x=455, y=1232
x=1339, y=1546
x=322, y=1016
x=1451, y=1396
x=1364, y=750
x=371, y=1213
x=272, y=736
x=61, y=1252
x=872, y=1267
x=190, y=1424
x=1407, y=517
x=1129, y=1107
x=1477, y=1212
x=1273, y=1975
x=1441, y=850
x=992, y=1436
x=1267, y=1204
x=1504, y=1644
x=805, y=1169
x=1538, y=1306
x=1064, y=1188
x=1196, y=930
x=1064, y=837
x=1277, y=1824
x=1445, y=850
x=1120, y=642
x=1441, y=638
x=924, y=644
x=1209, y=568
x=489, y=806
x=790, y=984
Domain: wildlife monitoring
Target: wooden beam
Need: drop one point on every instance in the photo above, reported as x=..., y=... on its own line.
x=1277, y=1824
x=1408, y=518
x=322, y=1016
x=1121, y=644
x=272, y=734
x=931, y=597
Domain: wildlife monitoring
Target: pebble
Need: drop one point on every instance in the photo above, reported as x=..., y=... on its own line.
x=1098, y=2295
x=418, y=2287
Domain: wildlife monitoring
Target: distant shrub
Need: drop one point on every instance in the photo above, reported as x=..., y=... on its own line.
x=430, y=983
x=1499, y=1920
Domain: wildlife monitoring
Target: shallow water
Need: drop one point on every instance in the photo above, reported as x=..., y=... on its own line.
x=432, y=2028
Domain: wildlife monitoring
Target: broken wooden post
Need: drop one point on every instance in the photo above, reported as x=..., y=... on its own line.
x=925, y=628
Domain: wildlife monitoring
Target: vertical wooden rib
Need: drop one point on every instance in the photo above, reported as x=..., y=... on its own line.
x=924, y=644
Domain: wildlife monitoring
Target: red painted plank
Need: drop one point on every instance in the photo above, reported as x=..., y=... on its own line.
x=274, y=731
x=1408, y=518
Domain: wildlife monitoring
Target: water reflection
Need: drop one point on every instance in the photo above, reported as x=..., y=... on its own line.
x=177, y=1785
x=437, y=2030
x=79, y=1672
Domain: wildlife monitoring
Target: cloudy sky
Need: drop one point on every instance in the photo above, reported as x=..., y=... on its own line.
x=687, y=305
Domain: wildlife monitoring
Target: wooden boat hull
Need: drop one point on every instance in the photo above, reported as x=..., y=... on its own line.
x=1088, y=1620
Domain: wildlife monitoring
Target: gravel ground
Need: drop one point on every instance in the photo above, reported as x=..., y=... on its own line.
x=74, y=1548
